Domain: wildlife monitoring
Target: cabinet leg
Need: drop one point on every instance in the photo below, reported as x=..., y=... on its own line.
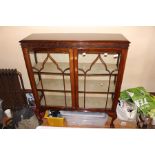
x=38, y=114
x=113, y=118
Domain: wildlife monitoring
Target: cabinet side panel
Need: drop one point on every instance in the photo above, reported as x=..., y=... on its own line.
x=119, y=77
x=31, y=78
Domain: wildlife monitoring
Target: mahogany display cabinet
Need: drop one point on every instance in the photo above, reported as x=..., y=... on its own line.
x=81, y=72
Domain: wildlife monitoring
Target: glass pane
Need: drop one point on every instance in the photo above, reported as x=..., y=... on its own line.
x=54, y=99
x=96, y=79
x=95, y=101
x=86, y=60
x=52, y=77
x=52, y=63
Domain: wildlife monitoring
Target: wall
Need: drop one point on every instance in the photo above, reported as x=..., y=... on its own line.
x=140, y=64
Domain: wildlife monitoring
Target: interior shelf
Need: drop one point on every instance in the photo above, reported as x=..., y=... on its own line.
x=91, y=102
x=54, y=84
x=95, y=102
x=57, y=100
x=97, y=68
x=91, y=85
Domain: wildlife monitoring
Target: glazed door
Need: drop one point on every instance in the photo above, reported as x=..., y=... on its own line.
x=52, y=74
x=96, y=74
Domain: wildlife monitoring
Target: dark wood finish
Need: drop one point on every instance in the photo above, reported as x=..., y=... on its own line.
x=152, y=93
x=72, y=77
x=74, y=44
x=119, y=77
x=75, y=37
x=28, y=90
x=76, y=77
x=68, y=74
x=35, y=57
x=70, y=40
x=32, y=80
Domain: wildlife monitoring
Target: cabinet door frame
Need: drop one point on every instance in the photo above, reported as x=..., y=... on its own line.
x=68, y=51
x=72, y=78
x=121, y=67
x=28, y=64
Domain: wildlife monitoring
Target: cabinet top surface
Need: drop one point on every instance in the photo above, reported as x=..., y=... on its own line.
x=75, y=37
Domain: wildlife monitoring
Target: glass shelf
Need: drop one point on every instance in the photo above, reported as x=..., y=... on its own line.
x=92, y=86
x=56, y=100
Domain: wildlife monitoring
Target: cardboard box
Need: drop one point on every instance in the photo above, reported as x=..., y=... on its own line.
x=124, y=124
x=54, y=121
x=108, y=123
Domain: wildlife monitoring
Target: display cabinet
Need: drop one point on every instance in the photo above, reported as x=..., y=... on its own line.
x=80, y=72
